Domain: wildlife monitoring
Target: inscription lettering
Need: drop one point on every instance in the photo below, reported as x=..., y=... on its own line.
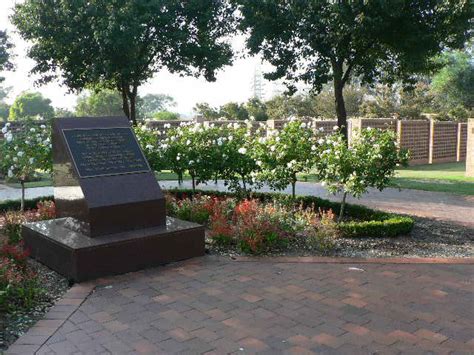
x=108, y=151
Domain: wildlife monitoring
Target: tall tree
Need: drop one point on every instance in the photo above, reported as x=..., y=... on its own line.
x=31, y=105
x=150, y=104
x=454, y=83
x=100, y=103
x=256, y=109
x=234, y=111
x=321, y=41
x=205, y=110
x=120, y=44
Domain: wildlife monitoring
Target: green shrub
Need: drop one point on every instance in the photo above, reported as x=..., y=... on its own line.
x=9, y=205
x=365, y=222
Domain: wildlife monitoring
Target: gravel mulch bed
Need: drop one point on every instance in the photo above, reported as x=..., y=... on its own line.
x=15, y=324
x=429, y=238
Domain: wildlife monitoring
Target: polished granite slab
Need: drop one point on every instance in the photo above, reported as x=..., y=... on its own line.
x=62, y=245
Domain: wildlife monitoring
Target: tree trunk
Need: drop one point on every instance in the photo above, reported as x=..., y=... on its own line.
x=194, y=183
x=22, y=203
x=293, y=186
x=133, y=101
x=125, y=105
x=339, y=82
x=244, y=185
x=340, y=107
x=343, y=205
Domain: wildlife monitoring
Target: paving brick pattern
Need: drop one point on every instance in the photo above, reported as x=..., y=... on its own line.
x=214, y=305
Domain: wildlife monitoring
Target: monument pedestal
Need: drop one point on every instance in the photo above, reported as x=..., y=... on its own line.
x=60, y=245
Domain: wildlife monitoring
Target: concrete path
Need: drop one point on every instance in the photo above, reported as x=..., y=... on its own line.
x=437, y=205
x=217, y=306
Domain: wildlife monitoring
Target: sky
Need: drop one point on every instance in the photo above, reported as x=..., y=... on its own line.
x=233, y=82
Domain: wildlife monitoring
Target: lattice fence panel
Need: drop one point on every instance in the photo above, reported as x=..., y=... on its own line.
x=415, y=136
x=444, y=142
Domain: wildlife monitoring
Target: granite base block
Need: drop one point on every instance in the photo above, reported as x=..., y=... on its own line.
x=62, y=247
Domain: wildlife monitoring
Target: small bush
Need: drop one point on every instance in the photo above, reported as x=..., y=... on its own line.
x=364, y=221
x=12, y=226
x=321, y=231
x=19, y=286
x=46, y=210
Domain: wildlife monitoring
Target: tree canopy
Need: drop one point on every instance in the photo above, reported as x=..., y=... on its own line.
x=5, y=47
x=30, y=105
x=150, y=104
x=120, y=44
x=454, y=83
x=100, y=103
x=320, y=41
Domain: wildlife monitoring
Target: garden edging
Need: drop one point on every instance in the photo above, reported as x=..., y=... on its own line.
x=345, y=260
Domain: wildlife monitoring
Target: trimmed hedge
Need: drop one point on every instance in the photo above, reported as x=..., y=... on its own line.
x=9, y=205
x=368, y=222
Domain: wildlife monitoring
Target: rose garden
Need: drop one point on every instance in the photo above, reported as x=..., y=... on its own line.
x=262, y=238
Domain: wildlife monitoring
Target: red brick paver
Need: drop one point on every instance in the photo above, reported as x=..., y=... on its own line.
x=213, y=305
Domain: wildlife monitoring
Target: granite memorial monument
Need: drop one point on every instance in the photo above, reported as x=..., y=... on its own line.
x=111, y=211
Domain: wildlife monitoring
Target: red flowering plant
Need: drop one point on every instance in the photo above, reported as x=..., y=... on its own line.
x=19, y=285
x=46, y=210
x=259, y=227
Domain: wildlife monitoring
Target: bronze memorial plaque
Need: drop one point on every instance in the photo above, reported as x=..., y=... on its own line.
x=105, y=151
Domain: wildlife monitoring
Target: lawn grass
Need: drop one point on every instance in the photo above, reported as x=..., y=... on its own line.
x=446, y=177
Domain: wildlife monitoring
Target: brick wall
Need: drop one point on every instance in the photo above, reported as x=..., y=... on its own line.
x=462, y=142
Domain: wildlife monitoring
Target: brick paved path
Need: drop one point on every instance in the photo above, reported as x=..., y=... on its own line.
x=222, y=306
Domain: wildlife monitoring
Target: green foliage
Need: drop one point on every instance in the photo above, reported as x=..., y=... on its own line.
x=19, y=286
x=63, y=112
x=9, y=205
x=282, y=107
x=391, y=227
x=454, y=83
x=234, y=111
x=150, y=104
x=166, y=116
x=12, y=226
x=285, y=153
x=26, y=152
x=100, y=103
x=148, y=138
x=365, y=222
x=369, y=161
x=30, y=105
x=206, y=111
x=4, y=111
x=319, y=42
x=256, y=109
x=120, y=44
x=5, y=47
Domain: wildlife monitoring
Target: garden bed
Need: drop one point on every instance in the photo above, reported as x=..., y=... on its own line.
x=365, y=233
x=27, y=288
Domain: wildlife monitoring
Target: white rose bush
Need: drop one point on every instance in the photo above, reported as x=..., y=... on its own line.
x=369, y=161
x=284, y=154
x=26, y=153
